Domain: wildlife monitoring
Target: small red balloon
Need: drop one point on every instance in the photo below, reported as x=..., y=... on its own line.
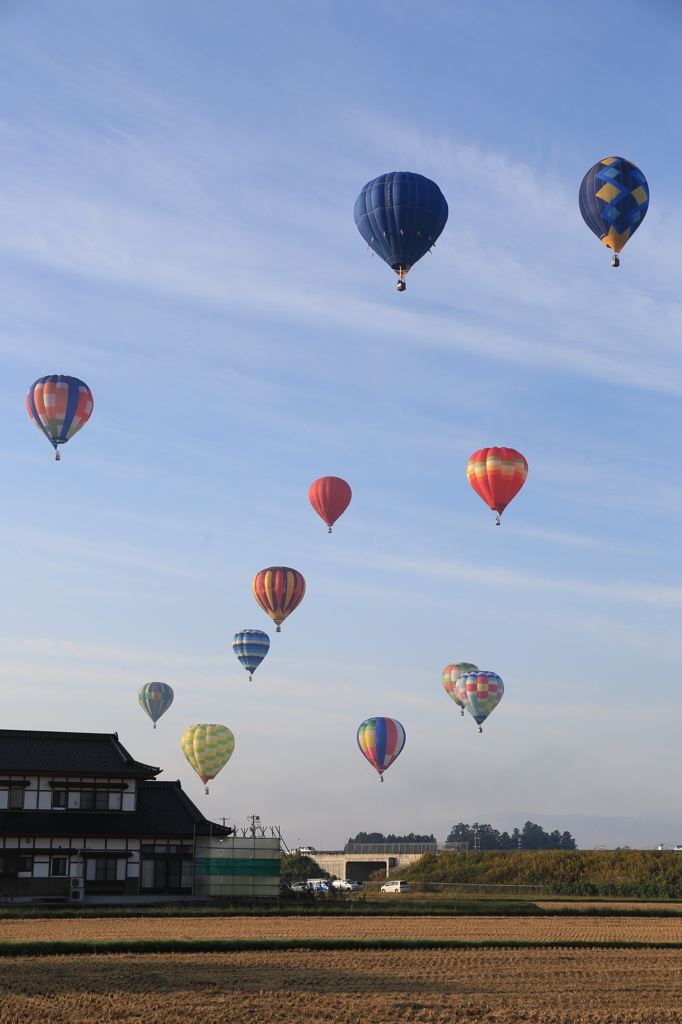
x=330, y=497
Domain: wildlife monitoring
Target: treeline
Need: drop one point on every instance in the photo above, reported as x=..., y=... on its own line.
x=530, y=837
x=642, y=873
x=379, y=837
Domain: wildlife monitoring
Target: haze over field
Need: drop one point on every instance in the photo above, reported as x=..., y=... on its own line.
x=176, y=192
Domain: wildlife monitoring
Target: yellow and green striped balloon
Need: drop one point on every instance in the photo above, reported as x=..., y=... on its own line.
x=208, y=748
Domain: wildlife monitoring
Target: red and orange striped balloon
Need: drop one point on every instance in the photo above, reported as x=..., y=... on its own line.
x=497, y=475
x=278, y=591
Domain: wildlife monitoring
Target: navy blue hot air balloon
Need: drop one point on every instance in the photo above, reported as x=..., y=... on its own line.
x=251, y=646
x=400, y=215
x=614, y=199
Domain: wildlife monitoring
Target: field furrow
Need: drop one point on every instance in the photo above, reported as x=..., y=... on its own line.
x=538, y=929
x=310, y=987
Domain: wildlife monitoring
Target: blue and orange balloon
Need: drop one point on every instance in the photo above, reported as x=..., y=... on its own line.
x=613, y=200
x=251, y=646
x=381, y=740
x=59, y=406
x=400, y=215
x=155, y=699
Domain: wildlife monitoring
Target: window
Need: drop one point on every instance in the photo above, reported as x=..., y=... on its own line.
x=105, y=869
x=9, y=865
x=26, y=863
x=60, y=866
x=59, y=798
x=166, y=873
x=91, y=800
x=16, y=798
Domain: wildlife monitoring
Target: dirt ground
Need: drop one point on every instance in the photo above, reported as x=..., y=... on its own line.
x=556, y=986
x=539, y=929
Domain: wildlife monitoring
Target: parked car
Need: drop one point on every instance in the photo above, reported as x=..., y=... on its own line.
x=346, y=884
x=305, y=850
x=299, y=887
x=318, y=884
x=402, y=886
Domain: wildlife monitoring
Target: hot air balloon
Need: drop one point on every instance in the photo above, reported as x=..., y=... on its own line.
x=400, y=215
x=59, y=406
x=330, y=497
x=451, y=674
x=251, y=646
x=497, y=474
x=381, y=740
x=614, y=199
x=208, y=748
x=155, y=699
x=278, y=591
x=480, y=692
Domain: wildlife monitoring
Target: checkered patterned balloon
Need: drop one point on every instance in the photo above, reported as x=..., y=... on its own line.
x=451, y=674
x=208, y=748
x=480, y=693
x=59, y=406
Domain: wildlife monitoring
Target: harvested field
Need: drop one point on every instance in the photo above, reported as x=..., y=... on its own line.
x=307, y=987
x=534, y=929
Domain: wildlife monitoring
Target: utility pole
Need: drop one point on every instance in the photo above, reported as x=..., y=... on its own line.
x=253, y=818
x=477, y=840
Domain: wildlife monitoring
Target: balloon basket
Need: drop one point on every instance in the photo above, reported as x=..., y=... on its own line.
x=57, y=457
x=329, y=530
x=278, y=630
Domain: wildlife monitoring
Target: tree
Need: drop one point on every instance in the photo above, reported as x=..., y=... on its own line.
x=379, y=837
x=296, y=867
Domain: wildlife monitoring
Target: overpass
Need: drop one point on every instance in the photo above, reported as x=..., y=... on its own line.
x=361, y=860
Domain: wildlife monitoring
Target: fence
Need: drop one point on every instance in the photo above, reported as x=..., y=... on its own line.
x=470, y=887
x=387, y=848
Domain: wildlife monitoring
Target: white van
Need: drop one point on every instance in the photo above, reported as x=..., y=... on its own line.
x=396, y=887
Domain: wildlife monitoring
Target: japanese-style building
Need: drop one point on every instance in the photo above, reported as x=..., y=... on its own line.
x=83, y=821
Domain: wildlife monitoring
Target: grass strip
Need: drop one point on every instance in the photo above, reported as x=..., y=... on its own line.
x=146, y=946
x=379, y=909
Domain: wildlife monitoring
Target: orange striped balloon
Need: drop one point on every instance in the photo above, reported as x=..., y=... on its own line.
x=278, y=591
x=497, y=475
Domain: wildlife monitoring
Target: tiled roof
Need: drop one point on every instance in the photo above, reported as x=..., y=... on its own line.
x=87, y=753
x=163, y=809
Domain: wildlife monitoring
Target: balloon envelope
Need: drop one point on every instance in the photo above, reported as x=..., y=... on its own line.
x=278, y=591
x=613, y=200
x=330, y=497
x=208, y=748
x=400, y=215
x=155, y=699
x=251, y=646
x=451, y=674
x=480, y=692
x=497, y=474
x=59, y=406
x=381, y=740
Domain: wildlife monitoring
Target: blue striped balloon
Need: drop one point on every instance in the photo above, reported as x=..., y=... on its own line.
x=251, y=646
x=155, y=699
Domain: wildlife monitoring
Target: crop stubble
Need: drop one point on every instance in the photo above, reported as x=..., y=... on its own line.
x=537, y=929
x=554, y=986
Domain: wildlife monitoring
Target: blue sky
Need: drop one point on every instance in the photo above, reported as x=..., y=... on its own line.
x=176, y=192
